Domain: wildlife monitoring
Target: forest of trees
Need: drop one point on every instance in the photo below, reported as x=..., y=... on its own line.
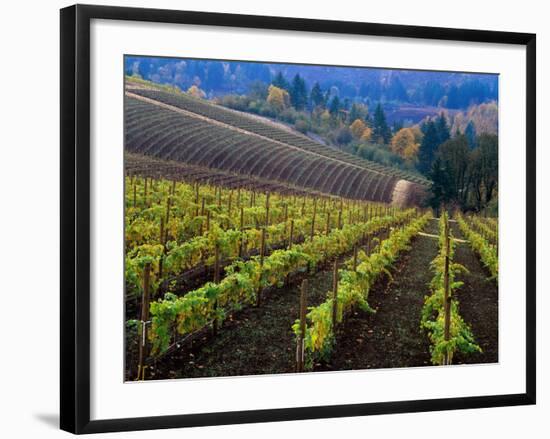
x=463, y=167
x=366, y=85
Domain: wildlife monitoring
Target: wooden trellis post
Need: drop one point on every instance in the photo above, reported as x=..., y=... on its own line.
x=163, y=243
x=168, y=207
x=217, y=263
x=262, y=252
x=447, y=296
x=216, y=281
x=335, y=295
x=267, y=209
x=145, y=192
x=241, y=241
x=291, y=236
x=290, y=241
x=144, y=321
x=313, y=218
x=300, y=351
x=197, y=199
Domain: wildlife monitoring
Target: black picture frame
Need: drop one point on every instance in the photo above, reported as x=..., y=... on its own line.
x=75, y=217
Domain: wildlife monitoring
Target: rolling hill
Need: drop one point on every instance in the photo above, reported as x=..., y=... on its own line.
x=174, y=127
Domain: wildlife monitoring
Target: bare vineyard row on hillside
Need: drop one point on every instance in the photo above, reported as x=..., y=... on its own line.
x=270, y=131
x=197, y=142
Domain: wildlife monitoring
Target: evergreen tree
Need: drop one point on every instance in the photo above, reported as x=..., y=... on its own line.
x=326, y=97
x=455, y=155
x=488, y=146
x=397, y=125
x=381, y=130
x=298, y=93
x=429, y=145
x=334, y=107
x=443, y=131
x=471, y=135
x=441, y=184
x=280, y=81
x=316, y=96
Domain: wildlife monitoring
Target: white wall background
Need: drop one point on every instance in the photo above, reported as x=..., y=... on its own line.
x=29, y=249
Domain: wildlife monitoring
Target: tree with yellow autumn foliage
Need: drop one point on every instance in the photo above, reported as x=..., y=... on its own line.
x=278, y=98
x=405, y=143
x=196, y=92
x=367, y=134
x=357, y=128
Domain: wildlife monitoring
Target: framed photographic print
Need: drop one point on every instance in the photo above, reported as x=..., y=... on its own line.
x=268, y=218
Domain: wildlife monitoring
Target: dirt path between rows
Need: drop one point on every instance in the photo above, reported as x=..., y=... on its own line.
x=478, y=301
x=392, y=336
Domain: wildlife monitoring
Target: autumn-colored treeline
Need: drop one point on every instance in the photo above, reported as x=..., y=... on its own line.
x=457, y=150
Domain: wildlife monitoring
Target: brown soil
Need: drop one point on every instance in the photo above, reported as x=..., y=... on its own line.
x=256, y=340
x=391, y=337
x=260, y=340
x=478, y=301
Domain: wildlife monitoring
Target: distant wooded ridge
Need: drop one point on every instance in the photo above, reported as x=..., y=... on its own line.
x=449, y=90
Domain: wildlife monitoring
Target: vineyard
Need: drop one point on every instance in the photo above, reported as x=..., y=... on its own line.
x=205, y=262
x=251, y=248
x=270, y=131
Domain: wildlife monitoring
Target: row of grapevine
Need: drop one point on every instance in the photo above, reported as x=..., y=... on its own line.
x=176, y=226
x=441, y=319
x=487, y=230
x=245, y=280
x=487, y=252
x=315, y=332
x=492, y=223
x=151, y=167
